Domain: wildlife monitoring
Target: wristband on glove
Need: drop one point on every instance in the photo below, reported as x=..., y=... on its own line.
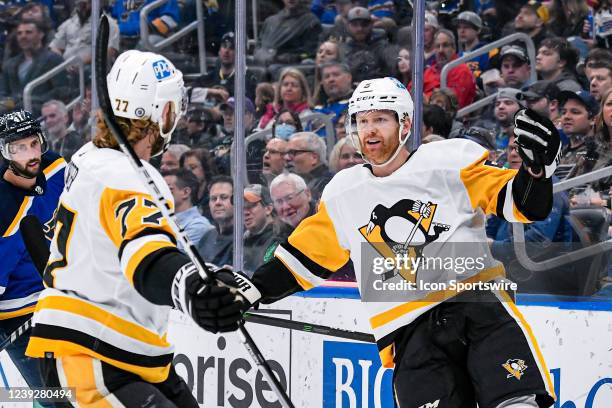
x=179, y=286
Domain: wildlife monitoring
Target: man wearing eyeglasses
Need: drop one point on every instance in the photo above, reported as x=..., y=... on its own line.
x=306, y=156
x=291, y=198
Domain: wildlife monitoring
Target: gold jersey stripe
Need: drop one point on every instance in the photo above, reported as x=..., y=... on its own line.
x=23, y=208
x=50, y=169
x=431, y=298
x=16, y=313
x=140, y=254
x=38, y=347
x=483, y=183
x=531, y=339
x=79, y=374
x=103, y=317
x=124, y=214
x=316, y=238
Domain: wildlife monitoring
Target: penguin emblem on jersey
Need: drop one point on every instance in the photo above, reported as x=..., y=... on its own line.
x=515, y=367
x=404, y=228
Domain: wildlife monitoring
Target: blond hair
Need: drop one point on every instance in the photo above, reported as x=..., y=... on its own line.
x=295, y=74
x=134, y=129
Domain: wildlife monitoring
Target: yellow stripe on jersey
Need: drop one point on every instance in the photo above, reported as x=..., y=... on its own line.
x=16, y=313
x=433, y=297
x=79, y=374
x=124, y=214
x=315, y=237
x=531, y=339
x=103, y=317
x=386, y=356
x=39, y=347
x=50, y=169
x=483, y=184
x=23, y=208
x=136, y=259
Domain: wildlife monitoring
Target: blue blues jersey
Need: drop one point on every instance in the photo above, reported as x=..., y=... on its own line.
x=20, y=282
x=127, y=14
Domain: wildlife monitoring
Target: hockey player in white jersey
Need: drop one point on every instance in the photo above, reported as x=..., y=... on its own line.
x=100, y=325
x=450, y=348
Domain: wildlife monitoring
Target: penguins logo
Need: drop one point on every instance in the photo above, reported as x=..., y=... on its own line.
x=515, y=367
x=404, y=228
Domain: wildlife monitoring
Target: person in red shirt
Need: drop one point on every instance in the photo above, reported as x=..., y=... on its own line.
x=460, y=78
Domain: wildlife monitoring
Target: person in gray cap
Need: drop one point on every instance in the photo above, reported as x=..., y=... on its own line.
x=469, y=26
x=506, y=106
x=515, y=68
x=365, y=49
x=578, y=110
x=542, y=97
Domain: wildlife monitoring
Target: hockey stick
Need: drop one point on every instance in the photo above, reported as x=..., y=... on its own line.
x=163, y=205
x=308, y=327
x=34, y=238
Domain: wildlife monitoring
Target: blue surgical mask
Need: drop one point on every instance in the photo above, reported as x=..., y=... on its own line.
x=284, y=130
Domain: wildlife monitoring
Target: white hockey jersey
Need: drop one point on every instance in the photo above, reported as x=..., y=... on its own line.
x=106, y=225
x=432, y=208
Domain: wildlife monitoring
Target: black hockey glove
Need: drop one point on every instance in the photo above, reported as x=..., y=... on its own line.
x=539, y=144
x=216, y=305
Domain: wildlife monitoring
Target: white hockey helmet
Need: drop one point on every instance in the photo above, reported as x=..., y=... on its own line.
x=139, y=86
x=380, y=94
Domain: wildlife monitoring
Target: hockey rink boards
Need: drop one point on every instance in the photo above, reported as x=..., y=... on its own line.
x=322, y=371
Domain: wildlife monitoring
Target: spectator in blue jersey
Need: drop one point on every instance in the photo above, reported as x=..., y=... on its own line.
x=184, y=186
x=337, y=84
x=469, y=26
x=163, y=20
x=31, y=182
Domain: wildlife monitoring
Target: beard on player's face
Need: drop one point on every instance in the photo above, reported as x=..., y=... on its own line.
x=378, y=135
x=31, y=168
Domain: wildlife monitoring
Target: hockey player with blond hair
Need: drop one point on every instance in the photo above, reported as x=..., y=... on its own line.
x=450, y=348
x=100, y=326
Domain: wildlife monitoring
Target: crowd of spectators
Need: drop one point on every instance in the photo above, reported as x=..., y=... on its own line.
x=304, y=60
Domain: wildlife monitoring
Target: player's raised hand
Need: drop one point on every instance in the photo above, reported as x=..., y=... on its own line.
x=538, y=142
x=216, y=305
